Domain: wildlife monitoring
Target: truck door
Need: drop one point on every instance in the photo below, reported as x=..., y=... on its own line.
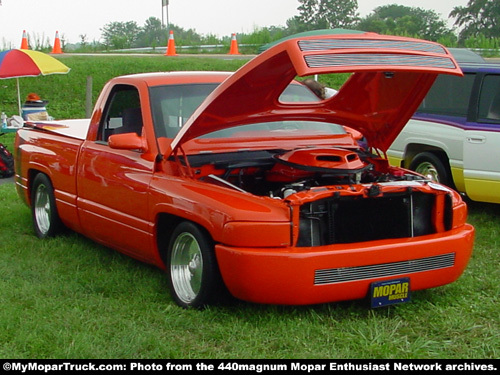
x=482, y=144
x=113, y=184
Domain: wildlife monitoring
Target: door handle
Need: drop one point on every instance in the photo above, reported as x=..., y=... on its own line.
x=476, y=139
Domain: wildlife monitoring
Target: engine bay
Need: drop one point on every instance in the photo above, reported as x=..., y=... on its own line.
x=280, y=173
x=356, y=182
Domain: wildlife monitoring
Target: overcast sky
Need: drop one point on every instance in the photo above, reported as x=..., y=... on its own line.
x=42, y=18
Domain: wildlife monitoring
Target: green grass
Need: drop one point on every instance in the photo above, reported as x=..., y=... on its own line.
x=66, y=92
x=68, y=297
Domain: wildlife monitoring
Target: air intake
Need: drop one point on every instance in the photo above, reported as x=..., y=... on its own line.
x=329, y=44
x=340, y=275
x=379, y=59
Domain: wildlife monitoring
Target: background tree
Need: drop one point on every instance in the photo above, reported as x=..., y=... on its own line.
x=119, y=35
x=324, y=14
x=338, y=13
x=402, y=20
x=152, y=34
x=308, y=10
x=262, y=35
x=478, y=17
x=295, y=25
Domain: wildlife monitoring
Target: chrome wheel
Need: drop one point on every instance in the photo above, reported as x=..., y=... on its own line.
x=428, y=170
x=194, y=279
x=46, y=221
x=186, y=267
x=42, y=209
x=434, y=166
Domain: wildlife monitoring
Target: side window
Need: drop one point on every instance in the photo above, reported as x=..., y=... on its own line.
x=449, y=95
x=489, y=99
x=172, y=105
x=122, y=113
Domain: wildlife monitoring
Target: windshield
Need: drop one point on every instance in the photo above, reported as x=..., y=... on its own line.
x=278, y=129
x=172, y=105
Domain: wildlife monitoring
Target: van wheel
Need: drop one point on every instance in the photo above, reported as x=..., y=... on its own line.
x=432, y=167
x=46, y=220
x=193, y=274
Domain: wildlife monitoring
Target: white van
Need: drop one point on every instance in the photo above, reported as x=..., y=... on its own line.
x=454, y=137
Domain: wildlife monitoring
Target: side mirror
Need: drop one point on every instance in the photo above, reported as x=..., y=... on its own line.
x=126, y=141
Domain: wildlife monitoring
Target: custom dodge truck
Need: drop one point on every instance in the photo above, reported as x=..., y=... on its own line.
x=248, y=183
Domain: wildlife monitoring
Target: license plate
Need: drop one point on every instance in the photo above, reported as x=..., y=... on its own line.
x=390, y=292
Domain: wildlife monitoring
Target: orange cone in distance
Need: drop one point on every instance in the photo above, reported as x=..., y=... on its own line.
x=24, y=42
x=171, y=45
x=57, y=44
x=233, y=50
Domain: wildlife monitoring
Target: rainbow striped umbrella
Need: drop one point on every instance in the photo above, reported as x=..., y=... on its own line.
x=17, y=63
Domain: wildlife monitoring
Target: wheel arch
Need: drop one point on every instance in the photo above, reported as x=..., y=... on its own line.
x=32, y=173
x=413, y=149
x=165, y=225
x=213, y=288
x=45, y=216
x=446, y=174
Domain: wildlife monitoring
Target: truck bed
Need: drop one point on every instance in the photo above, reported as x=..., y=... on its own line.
x=77, y=128
x=59, y=139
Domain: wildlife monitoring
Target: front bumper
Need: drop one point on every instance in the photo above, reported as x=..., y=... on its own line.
x=293, y=276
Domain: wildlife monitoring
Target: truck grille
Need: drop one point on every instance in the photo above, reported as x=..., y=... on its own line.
x=340, y=275
x=357, y=219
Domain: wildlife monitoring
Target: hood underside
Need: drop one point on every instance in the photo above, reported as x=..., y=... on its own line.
x=390, y=77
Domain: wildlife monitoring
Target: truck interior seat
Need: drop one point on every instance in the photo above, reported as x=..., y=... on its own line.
x=131, y=121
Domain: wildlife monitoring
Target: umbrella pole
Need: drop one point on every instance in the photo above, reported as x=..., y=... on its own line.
x=18, y=97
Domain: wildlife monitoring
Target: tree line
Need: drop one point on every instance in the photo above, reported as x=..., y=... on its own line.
x=475, y=25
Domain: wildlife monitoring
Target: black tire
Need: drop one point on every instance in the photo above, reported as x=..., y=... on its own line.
x=431, y=166
x=193, y=274
x=46, y=221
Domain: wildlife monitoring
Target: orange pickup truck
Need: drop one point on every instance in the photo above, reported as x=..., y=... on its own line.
x=249, y=183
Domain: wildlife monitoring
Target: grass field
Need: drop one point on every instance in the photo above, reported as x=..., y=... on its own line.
x=70, y=298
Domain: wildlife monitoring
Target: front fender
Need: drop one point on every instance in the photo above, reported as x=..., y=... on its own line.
x=215, y=207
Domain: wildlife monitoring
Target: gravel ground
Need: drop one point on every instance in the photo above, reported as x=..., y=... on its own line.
x=6, y=180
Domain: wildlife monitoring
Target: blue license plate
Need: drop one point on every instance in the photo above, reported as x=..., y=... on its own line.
x=390, y=292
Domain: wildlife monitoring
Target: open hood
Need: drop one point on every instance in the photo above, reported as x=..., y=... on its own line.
x=391, y=76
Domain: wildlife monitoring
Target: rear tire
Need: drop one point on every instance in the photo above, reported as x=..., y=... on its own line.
x=46, y=221
x=432, y=167
x=193, y=274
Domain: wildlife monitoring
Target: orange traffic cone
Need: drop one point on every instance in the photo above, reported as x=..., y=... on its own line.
x=24, y=42
x=234, y=46
x=57, y=44
x=171, y=45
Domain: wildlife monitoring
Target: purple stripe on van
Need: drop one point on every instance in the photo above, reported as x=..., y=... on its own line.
x=457, y=122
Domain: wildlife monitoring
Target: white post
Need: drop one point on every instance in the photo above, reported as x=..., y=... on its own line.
x=18, y=97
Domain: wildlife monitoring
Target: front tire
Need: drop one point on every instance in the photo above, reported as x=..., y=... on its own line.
x=46, y=220
x=193, y=274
